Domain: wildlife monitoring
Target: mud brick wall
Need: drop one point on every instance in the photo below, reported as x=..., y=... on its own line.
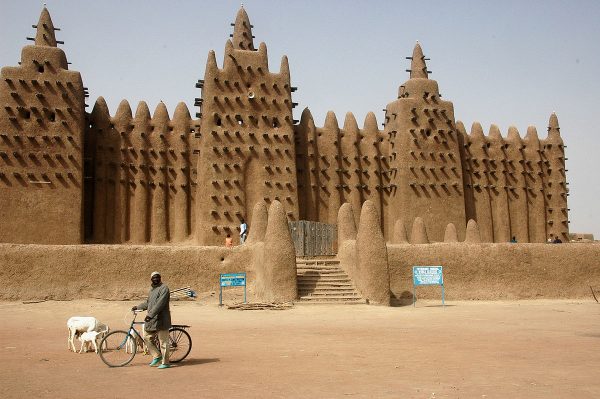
x=42, y=122
x=339, y=165
x=142, y=174
x=150, y=178
x=247, y=151
x=424, y=155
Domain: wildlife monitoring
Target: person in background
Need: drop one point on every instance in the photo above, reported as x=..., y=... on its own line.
x=243, y=231
x=557, y=240
x=513, y=239
x=228, y=241
x=157, y=321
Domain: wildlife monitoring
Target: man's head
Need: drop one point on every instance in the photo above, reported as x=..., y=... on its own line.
x=155, y=278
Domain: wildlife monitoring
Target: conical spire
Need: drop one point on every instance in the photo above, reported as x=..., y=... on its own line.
x=160, y=118
x=122, y=117
x=181, y=119
x=370, y=125
x=100, y=115
x=477, y=131
x=532, y=134
x=142, y=114
x=242, y=31
x=513, y=134
x=284, y=70
x=307, y=119
x=45, y=30
x=181, y=111
x=418, y=68
x=460, y=126
x=553, y=127
x=450, y=233
x=350, y=124
x=123, y=110
x=494, y=133
x=211, y=64
x=554, y=131
x=331, y=121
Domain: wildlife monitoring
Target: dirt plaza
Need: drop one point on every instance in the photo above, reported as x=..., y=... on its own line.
x=482, y=349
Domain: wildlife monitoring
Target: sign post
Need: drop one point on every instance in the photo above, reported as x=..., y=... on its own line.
x=427, y=275
x=231, y=280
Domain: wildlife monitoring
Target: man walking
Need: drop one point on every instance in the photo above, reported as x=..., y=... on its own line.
x=157, y=321
x=243, y=231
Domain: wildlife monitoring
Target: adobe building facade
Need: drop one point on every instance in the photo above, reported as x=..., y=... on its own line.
x=142, y=177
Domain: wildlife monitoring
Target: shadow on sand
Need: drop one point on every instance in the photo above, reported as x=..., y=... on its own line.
x=191, y=362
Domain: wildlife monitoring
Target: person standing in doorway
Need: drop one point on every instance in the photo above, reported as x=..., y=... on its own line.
x=243, y=231
x=157, y=321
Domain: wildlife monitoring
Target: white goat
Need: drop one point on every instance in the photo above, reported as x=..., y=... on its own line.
x=78, y=325
x=87, y=338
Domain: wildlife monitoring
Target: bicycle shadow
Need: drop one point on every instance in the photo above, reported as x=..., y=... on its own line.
x=191, y=362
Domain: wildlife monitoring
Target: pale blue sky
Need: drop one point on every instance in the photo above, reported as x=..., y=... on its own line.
x=502, y=62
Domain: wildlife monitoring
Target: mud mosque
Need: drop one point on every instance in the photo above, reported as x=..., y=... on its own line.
x=414, y=188
x=70, y=177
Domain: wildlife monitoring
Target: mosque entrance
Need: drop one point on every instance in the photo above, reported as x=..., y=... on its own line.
x=314, y=238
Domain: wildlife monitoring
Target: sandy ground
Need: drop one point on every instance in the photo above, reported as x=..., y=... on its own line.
x=526, y=349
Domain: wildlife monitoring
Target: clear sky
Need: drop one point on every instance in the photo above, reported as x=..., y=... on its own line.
x=502, y=62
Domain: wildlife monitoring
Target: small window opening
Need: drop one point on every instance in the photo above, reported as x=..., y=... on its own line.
x=24, y=113
x=40, y=68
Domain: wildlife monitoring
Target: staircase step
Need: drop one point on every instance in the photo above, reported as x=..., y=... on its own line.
x=325, y=288
x=324, y=284
x=331, y=281
x=299, y=261
x=324, y=281
x=320, y=294
x=319, y=269
x=339, y=298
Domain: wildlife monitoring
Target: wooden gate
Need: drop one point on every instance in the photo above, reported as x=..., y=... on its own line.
x=314, y=238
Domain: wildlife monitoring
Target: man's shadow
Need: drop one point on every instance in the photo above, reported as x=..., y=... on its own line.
x=191, y=362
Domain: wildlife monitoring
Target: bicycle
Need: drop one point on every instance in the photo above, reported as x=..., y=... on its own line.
x=118, y=348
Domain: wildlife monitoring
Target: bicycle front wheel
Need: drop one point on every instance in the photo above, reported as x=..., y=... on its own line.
x=115, y=351
x=181, y=344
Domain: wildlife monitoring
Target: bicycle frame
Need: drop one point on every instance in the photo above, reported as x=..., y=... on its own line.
x=132, y=330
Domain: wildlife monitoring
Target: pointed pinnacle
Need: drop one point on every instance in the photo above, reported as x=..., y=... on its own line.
x=242, y=31
x=45, y=35
x=418, y=68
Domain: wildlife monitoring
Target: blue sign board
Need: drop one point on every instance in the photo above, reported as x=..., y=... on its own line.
x=427, y=275
x=231, y=280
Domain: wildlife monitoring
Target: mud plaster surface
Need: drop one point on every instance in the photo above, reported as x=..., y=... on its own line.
x=526, y=349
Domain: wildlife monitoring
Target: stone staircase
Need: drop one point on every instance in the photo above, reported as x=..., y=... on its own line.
x=323, y=281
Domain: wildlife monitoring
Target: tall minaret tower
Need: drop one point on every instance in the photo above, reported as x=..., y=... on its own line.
x=424, y=157
x=247, y=150
x=42, y=119
x=557, y=211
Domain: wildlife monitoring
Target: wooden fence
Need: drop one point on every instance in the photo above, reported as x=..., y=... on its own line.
x=314, y=238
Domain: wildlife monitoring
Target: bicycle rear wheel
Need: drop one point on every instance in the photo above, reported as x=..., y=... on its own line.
x=181, y=344
x=114, y=349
